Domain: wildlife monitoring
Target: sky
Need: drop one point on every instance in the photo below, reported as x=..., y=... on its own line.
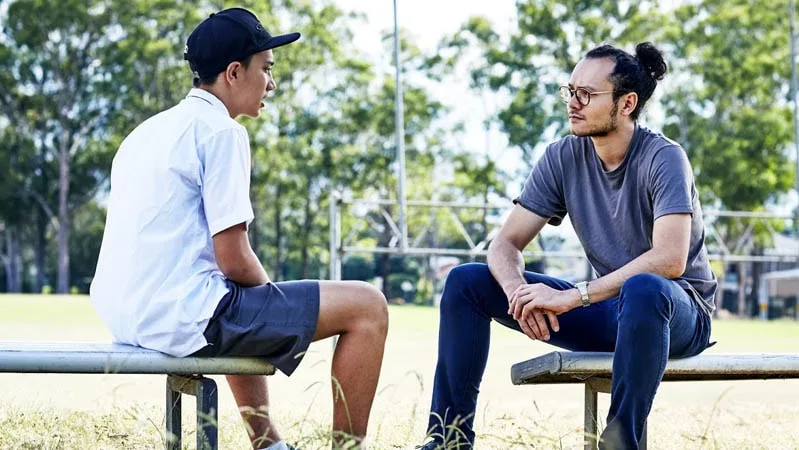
x=427, y=20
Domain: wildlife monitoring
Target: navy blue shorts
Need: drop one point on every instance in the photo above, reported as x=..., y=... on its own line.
x=275, y=321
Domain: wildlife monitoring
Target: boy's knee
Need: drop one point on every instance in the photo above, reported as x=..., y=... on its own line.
x=373, y=307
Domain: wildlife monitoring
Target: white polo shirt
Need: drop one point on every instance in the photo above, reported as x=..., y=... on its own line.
x=179, y=178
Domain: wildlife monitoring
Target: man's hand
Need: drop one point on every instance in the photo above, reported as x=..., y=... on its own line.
x=533, y=323
x=531, y=302
x=541, y=296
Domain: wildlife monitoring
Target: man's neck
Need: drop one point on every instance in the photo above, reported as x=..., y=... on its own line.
x=613, y=147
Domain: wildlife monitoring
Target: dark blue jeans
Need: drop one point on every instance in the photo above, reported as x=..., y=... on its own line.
x=652, y=319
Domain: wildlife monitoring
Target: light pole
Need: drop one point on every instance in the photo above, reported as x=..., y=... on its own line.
x=795, y=124
x=793, y=97
x=400, y=136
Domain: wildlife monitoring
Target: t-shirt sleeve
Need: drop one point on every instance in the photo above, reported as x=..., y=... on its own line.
x=543, y=189
x=672, y=182
x=225, y=187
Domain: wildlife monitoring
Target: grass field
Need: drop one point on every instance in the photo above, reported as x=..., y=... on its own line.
x=126, y=412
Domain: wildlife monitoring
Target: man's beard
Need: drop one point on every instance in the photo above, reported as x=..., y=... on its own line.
x=601, y=130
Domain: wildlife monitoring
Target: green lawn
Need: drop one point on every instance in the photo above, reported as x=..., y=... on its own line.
x=76, y=311
x=125, y=412
x=48, y=310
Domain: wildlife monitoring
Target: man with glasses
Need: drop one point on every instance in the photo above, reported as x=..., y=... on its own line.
x=630, y=196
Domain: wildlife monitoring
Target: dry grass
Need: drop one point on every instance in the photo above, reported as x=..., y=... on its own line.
x=126, y=412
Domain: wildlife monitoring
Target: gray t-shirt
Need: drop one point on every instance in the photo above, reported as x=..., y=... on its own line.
x=613, y=212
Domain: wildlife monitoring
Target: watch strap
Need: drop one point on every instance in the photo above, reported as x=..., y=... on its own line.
x=582, y=288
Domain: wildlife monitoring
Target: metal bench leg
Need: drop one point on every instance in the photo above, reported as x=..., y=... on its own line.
x=591, y=420
x=204, y=389
x=207, y=422
x=173, y=411
x=590, y=424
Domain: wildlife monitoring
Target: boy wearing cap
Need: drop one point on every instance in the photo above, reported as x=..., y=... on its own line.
x=176, y=272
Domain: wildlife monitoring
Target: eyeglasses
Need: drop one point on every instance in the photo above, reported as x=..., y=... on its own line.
x=583, y=95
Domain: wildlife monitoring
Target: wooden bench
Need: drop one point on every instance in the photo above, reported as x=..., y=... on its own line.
x=594, y=370
x=183, y=375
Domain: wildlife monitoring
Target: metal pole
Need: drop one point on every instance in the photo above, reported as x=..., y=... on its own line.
x=335, y=244
x=795, y=127
x=335, y=237
x=795, y=108
x=400, y=135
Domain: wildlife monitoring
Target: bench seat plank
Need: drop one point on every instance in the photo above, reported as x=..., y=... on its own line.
x=107, y=358
x=576, y=367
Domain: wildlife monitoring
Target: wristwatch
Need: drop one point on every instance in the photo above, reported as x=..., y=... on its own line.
x=582, y=288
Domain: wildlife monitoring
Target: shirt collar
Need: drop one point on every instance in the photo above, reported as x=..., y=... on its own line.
x=206, y=97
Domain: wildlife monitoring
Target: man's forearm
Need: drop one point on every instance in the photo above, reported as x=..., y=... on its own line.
x=652, y=261
x=506, y=264
x=250, y=272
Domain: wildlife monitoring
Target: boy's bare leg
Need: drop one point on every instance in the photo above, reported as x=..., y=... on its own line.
x=252, y=397
x=357, y=313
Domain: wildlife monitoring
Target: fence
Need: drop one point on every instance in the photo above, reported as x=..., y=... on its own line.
x=730, y=236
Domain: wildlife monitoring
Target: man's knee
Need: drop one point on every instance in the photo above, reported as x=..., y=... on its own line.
x=465, y=273
x=644, y=293
x=460, y=281
x=466, y=276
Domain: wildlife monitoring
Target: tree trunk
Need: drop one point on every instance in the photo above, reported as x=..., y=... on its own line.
x=757, y=271
x=40, y=249
x=13, y=261
x=742, y=290
x=62, y=283
x=430, y=273
x=43, y=219
x=306, y=234
x=278, y=235
x=720, y=289
x=383, y=270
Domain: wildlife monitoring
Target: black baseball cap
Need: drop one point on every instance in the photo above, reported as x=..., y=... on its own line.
x=230, y=35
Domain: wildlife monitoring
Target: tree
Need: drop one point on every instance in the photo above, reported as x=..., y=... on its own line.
x=78, y=77
x=736, y=54
x=526, y=68
x=733, y=117
x=306, y=125
x=14, y=203
x=333, y=118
